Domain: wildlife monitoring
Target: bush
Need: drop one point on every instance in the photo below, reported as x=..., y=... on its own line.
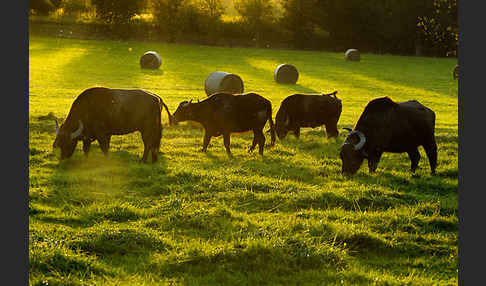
x=73, y=7
x=439, y=28
x=43, y=7
x=257, y=16
x=170, y=15
x=188, y=18
x=117, y=11
x=300, y=17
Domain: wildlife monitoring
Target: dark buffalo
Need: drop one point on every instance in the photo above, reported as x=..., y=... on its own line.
x=224, y=113
x=99, y=112
x=388, y=126
x=303, y=110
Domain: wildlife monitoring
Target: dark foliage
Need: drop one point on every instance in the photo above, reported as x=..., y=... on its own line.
x=379, y=26
x=43, y=7
x=439, y=28
x=117, y=11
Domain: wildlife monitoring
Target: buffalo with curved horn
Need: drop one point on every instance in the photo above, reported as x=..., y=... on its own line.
x=99, y=112
x=388, y=126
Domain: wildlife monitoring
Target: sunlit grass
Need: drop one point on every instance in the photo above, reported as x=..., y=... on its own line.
x=288, y=218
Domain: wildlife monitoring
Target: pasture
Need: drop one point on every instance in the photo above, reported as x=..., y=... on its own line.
x=289, y=218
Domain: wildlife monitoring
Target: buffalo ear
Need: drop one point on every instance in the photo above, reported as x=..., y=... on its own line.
x=334, y=94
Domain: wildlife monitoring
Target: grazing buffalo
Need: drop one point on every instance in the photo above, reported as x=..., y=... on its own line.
x=99, y=112
x=303, y=110
x=388, y=126
x=224, y=113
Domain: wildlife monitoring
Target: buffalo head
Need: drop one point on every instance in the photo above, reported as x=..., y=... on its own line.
x=183, y=112
x=352, y=154
x=282, y=127
x=66, y=139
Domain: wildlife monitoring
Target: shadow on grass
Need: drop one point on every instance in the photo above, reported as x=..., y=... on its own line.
x=157, y=72
x=254, y=264
x=299, y=88
x=81, y=181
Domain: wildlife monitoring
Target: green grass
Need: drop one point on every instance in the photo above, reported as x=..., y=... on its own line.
x=289, y=218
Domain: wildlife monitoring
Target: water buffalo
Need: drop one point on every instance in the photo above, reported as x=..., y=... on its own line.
x=303, y=110
x=224, y=113
x=388, y=126
x=98, y=113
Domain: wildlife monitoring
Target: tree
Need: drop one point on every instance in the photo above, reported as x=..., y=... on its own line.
x=439, y=28
x=299, y=17
x=211, y=8
x=43, y=7
x=373, y=25
x=169, y=16
x=117, y=11
x=256, y=14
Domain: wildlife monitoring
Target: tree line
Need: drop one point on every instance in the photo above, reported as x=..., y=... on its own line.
x=422, y=27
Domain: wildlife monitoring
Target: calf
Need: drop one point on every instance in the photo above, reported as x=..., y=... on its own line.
x=303, y=110
x=224, y=113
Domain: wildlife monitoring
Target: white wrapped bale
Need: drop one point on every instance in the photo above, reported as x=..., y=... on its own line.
x=219, y=81
x=286, y=73
x=150, y=60
x=352, y=55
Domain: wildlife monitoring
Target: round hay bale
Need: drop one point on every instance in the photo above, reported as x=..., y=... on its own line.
x=455, y=72
x=352, y=55
x=286, y=73
x=219, y=81
x=150, y=60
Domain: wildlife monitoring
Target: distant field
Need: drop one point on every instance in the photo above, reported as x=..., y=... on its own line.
x=288, y=218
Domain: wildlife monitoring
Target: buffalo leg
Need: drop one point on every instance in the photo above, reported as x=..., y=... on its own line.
x=297, y=132
x=253, y=144
x=104, y=142
x=431, y=151
x=207, y=138
x=414, y=158
x=154, y=154
x=145, y=153
x=373, y=160
x=261, y=140
x=148, y=145
x=86, y=146
x=226, y=140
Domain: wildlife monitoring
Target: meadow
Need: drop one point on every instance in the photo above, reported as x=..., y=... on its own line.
x=287, y=218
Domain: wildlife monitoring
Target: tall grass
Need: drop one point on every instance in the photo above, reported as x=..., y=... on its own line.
x=288, y=218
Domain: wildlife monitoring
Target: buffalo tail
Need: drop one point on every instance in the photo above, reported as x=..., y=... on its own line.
x=171, y=121
x=272, y=126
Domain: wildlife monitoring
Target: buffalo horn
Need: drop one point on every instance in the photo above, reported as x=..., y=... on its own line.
x=57, y=127
x=347, y=128
x=362, y=140
x=77, y=133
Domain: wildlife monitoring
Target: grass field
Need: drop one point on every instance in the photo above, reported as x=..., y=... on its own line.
x=289, y=218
